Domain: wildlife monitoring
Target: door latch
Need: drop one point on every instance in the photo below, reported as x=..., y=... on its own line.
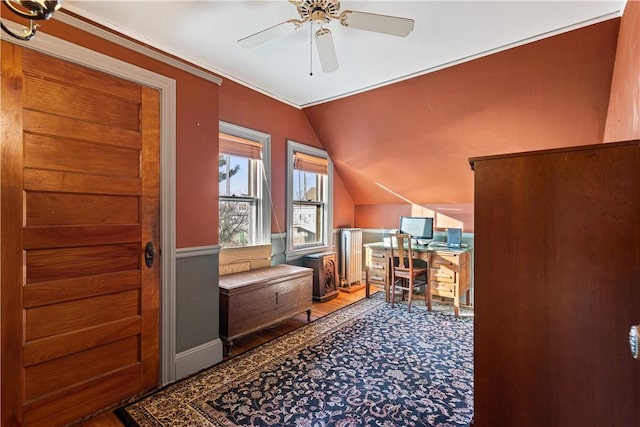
x=634, y=337
x=149, y=254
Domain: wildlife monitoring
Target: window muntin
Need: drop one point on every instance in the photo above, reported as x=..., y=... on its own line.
x=243, y=181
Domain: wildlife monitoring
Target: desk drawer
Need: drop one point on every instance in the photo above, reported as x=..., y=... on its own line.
x=377, y=275
x=378, y=264
x=378, y=254
x=443, y=275
x=443, y=289
x=451, y=261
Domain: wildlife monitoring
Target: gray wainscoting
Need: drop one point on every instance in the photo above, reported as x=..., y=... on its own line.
x=198, y=343
x=278, y=248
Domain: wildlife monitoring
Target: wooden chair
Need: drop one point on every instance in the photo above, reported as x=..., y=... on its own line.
x=403, y=272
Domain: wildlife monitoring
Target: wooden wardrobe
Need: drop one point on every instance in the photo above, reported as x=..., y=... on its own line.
x=557, y=287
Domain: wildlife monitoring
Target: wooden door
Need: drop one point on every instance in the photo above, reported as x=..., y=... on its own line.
x=557, y=287
x=80, y=200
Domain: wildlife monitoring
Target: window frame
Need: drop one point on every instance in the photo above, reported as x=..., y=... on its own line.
x=325, y=243
x=262, y=195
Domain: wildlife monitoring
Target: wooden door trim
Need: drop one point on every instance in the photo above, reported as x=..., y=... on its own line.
x=11, y=230
x=80, y=55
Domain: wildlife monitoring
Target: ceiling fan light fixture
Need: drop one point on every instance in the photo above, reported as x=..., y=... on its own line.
x=33, y=10
x=318, y=17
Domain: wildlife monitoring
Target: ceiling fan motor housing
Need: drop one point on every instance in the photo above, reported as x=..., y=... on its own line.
x=319, y=11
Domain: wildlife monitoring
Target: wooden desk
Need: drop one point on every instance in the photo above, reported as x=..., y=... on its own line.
x=449, y=270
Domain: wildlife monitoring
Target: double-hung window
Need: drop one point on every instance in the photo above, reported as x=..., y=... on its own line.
x=309, y=199
x=243, y=183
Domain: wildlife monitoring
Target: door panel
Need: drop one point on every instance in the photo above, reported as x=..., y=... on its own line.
x=80, y=200
x=44, y=123
x=55, y=153
x=78, y=209
x=48, y=377
x=41, y=293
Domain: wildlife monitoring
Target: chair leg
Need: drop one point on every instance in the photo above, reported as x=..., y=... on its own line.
x=427, y=291
x=393, y=292
x=410, y=293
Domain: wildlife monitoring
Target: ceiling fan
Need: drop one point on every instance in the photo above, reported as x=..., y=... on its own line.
x=321, y=12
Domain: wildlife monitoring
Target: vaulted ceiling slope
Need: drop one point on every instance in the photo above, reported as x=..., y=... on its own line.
x=411, y=141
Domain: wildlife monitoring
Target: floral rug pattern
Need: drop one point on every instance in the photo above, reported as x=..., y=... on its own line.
x=364, y=365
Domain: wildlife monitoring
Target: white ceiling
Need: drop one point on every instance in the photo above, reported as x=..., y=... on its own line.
x=445, y=33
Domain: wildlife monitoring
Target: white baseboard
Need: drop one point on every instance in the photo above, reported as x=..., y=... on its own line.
x=198, y=358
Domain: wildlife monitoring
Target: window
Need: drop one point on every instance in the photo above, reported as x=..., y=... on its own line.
x=309, y=199
x=244, y=179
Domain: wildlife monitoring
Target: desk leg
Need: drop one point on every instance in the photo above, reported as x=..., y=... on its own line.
x=367, y=286
x=456, y=303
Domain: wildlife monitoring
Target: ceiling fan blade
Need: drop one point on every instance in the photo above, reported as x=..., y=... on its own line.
x=269, y=34
x=379, y=23
x=326, y=50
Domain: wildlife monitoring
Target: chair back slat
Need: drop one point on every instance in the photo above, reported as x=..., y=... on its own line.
x=402, y=269
x=402, y=243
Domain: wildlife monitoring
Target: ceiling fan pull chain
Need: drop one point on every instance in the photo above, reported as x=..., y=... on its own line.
x=311, y=49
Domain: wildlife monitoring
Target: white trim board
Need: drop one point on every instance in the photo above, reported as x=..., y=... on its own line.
x=198, y=358
x=197, y=251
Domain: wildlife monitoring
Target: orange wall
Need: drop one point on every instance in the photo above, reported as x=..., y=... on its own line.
x=196, y=136
x=623, y=119
x=409, y=143
x=343, y=207
x=245, y=107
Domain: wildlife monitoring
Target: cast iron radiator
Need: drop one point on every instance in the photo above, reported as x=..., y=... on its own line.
x=350, y=253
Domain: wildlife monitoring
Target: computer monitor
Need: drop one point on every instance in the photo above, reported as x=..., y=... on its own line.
x=420, y=227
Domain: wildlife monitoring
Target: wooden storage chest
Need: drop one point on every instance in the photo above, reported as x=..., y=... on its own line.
x=253, y=300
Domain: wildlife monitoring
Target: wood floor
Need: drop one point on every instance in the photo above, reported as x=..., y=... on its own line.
x=108, y=419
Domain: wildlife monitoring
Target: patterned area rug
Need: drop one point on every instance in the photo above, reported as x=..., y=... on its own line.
x=364, y=365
